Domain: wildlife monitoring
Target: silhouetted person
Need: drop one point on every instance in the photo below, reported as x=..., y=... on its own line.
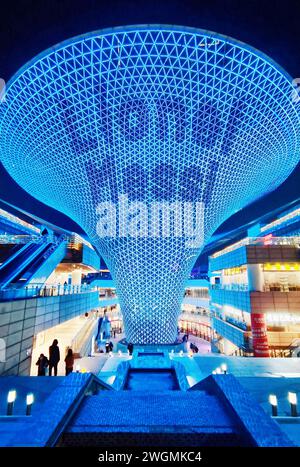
x=130, y=348
x=111, y=346
x=69, y=361
x=42, y=364
x=54, y=357
x=107, y=347
x=194, y=348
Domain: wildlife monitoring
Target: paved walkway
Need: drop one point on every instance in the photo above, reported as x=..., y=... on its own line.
x=91, y=364
x=203, y=345
x=99, y=360
x=105, y=366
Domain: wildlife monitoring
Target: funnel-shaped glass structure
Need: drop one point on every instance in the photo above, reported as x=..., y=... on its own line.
x=149, y=137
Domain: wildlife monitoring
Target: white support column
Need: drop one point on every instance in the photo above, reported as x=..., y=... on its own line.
x=255, y=277
x=76, y=277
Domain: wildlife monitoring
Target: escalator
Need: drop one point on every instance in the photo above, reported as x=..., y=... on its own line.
x=32, y=264
x=10, y=268
x=8, y=250
x=100, y=320
x=40, y=269
x=25, y=274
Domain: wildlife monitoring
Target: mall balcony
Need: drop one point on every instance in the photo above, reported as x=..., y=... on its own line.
x=257, y=278
x=41, y=294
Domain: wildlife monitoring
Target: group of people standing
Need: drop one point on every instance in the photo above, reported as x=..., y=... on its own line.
x=54, y=357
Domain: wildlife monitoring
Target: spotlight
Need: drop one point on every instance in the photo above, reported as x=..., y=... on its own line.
x=292, y=397
x=273, y=402
x=11, y=397
x=29, y=402
x=224, y=368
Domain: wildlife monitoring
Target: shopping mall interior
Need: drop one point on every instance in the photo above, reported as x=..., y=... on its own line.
x=198, y=332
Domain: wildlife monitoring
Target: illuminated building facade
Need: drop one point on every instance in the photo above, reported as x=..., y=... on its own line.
x=149, y=137
x=255, y=291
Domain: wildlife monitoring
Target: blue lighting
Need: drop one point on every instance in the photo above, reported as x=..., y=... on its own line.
x=157, y=114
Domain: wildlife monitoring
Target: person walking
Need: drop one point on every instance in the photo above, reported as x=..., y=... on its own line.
x=130, y=348
x=42, y=364
x=69, y=361
x=54, y=357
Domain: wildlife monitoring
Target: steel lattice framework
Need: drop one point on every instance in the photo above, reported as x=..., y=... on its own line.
x=158, y=114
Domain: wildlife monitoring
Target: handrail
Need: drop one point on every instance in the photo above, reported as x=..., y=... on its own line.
x=233, y=287
x=84, y=350
x=13, y=256
x=86, y=329
x=24, y=264
x=13, y=292
x=258, y=241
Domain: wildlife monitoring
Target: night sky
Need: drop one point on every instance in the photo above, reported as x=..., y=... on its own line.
x=29, y=27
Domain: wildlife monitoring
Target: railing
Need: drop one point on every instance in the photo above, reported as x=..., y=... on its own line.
x=19, y=239
x=97, y=276
x=81, y=342
x=234, y=322
x=234, y=287
x=237, y=323
x=37, y=290
x=275, y=287
x=196, y=293
x=23, y=239
x=259, y=241
x=280, y=287
x=202, y=330
x=16, y=220
x=186, y=314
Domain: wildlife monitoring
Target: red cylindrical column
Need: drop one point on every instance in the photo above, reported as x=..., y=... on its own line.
x=259, y=335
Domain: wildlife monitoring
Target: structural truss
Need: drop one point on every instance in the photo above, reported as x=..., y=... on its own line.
x=149, y=137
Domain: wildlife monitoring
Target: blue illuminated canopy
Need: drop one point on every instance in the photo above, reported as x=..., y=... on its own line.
x=184, y=123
